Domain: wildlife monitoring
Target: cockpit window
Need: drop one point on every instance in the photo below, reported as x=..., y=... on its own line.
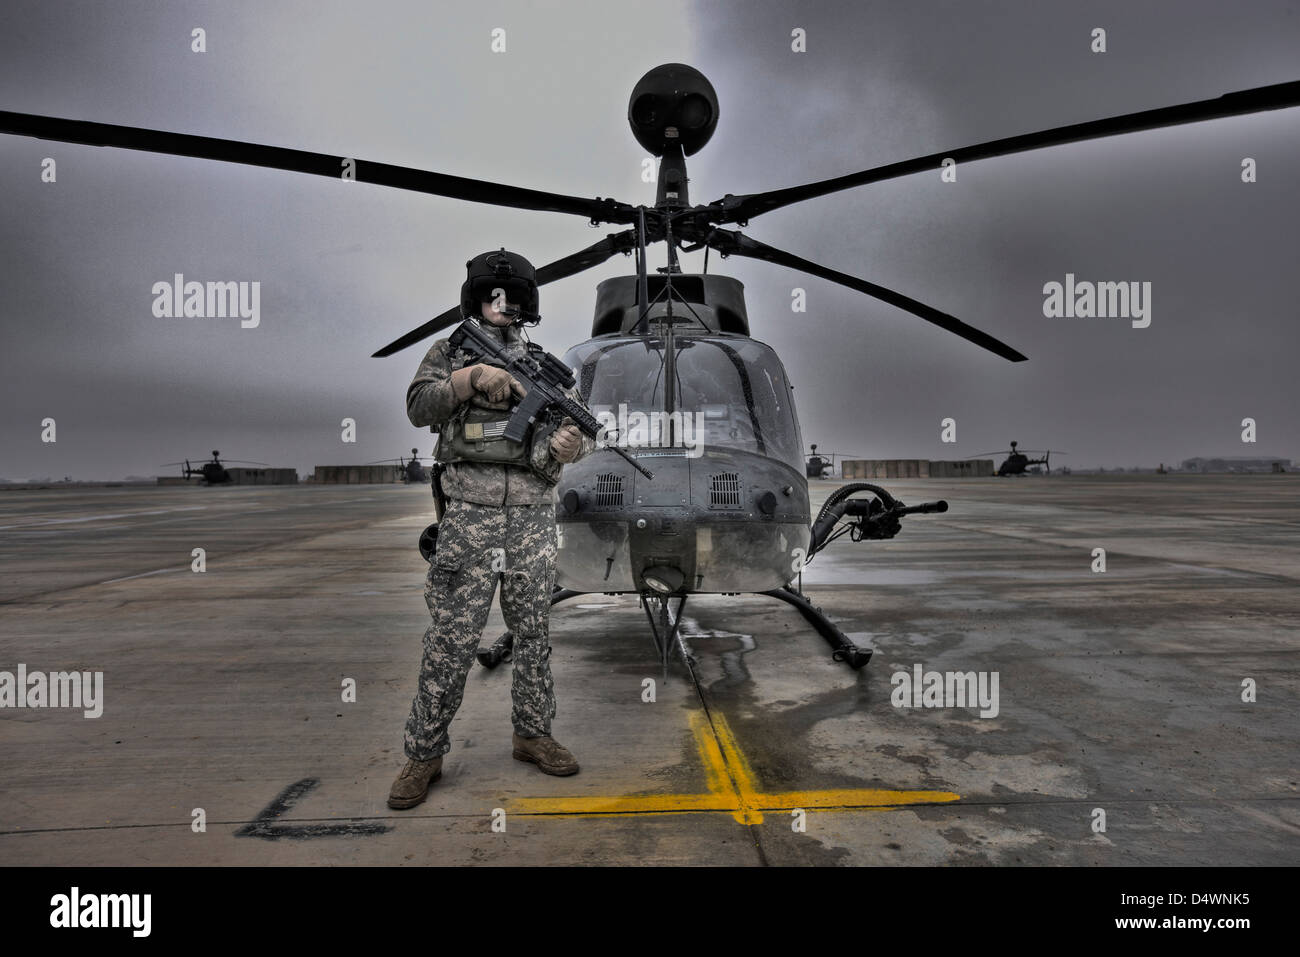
x=732, y=388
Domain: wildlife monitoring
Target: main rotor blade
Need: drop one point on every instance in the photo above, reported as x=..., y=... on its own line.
x=728, y=242
x=593, y=255
x=584, y=259
x=318, y=164
x=436, y=324
x=739, y=209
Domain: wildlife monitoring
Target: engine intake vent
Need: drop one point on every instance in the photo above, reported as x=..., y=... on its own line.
x=724, y=490
x=609, y=490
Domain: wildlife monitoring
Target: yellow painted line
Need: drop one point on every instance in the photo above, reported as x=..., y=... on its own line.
x=722, y=794
x=851, y=798
x=715, y=765
x=732, y=787
x=735, y=766
x=631, y=804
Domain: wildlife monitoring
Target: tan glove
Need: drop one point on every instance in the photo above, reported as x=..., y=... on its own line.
x=566, y=442
x=495, y=384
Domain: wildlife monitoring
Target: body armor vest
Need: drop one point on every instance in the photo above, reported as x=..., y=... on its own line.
x=477, y=434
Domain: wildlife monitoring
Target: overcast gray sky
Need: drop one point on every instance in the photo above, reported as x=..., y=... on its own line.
x=344, y=268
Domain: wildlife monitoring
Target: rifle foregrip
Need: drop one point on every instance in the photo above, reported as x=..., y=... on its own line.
x=584, y=420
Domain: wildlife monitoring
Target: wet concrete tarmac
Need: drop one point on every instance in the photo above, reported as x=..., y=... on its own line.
x=1119, y=692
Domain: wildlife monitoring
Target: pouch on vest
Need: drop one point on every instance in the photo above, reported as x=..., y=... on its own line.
x=479, y=436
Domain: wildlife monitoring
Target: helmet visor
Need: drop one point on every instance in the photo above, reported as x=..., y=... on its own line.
x=516, y=291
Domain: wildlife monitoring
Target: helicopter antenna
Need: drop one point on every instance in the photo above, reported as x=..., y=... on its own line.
x=642, y=284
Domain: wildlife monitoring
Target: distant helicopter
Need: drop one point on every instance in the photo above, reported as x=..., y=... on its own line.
x=412, y=470
x=1017, y=463
x=728, y=508
x=820, y=466
x=213, y=471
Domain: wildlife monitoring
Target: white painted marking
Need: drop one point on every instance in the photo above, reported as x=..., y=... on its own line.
x=160, y=571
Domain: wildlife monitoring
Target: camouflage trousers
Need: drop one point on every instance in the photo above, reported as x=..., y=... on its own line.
x=477, y=544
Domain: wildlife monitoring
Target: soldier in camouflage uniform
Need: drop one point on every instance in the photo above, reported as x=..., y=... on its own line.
x=499, y=522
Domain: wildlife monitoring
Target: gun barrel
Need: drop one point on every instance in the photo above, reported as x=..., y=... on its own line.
x=634, y=463
x=939, y=506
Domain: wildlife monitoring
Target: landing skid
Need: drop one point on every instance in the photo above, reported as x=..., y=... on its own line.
x=664, y=627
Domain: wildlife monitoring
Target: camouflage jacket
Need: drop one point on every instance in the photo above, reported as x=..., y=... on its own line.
x=429, y=401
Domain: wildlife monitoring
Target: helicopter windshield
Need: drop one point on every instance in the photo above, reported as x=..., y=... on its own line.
x=731, y=391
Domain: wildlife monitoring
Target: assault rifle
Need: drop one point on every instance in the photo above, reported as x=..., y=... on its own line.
x=545, y=378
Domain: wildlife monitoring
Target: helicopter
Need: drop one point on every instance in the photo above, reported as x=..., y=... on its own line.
x=213, y=471
x=412, y=469
x=823, y=465
x=727, y=510
x=1017, y=463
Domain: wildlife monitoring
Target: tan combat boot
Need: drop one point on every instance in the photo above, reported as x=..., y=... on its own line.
x=547, y=753
x=413, y=783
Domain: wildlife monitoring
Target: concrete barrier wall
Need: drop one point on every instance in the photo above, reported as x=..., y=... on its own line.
x=357, y=474
x=967, y=468
x=243, y=476
x=913, y=468
x=884, y=468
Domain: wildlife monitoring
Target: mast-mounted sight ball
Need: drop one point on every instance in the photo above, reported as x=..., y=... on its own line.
x=673, y=103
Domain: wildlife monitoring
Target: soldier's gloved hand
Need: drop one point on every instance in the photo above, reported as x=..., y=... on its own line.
x=495, y=384
x=566, y=442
